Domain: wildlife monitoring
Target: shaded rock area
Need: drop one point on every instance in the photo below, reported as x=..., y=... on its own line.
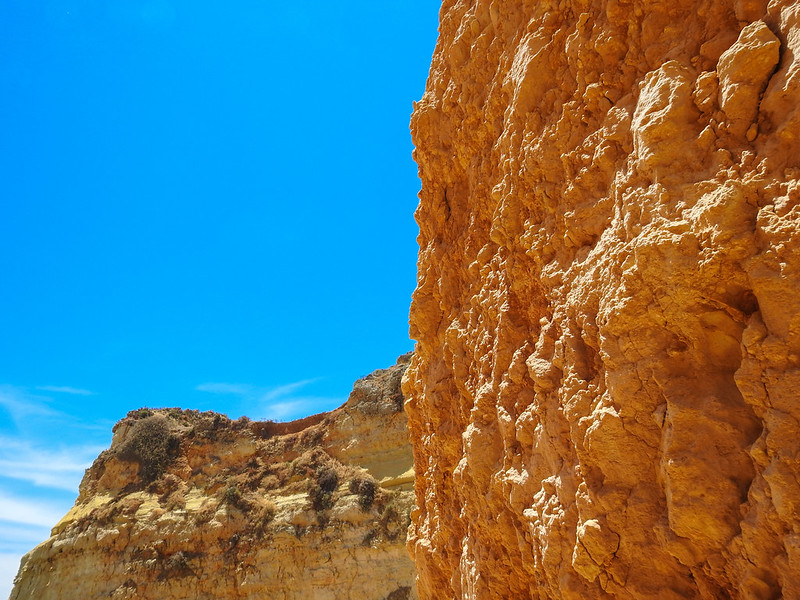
x=190, y=505
x=605, y=396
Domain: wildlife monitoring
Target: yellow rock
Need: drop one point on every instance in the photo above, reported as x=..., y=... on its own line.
x=241, y=510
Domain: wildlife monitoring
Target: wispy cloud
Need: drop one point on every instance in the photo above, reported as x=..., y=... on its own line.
x=42, y=461
x=60, y=468
x=236, y=389
x=64, y=389
x=277, y=403
x=283, y=390
x=281, y=411
x=9, y=564
x=34, y=455
x=21, y=404
x=29, y=512
x=15, y=537
x=28, y=410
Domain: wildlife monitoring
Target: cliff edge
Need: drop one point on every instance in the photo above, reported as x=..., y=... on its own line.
x=189, y=505
x=605, y=396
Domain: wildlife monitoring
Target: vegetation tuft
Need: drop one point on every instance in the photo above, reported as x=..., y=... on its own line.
x=327, y=479
x=150, y=444
x=364, y=488
x=234, y=497
x=176, y=565
x=321, y=492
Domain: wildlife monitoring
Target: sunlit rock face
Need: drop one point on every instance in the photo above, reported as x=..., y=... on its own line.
x=605, y=395
x=188, y=505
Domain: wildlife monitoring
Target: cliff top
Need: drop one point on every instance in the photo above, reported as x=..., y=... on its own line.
x=183, y=499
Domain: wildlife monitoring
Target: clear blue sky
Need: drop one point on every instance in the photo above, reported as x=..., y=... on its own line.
x=202, y=205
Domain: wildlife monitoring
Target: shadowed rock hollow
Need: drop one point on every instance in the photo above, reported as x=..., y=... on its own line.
x=188, y=505
x=604, y=396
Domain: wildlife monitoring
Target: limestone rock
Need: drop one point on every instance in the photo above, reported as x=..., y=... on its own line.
x=188, y=505
x=605, y=396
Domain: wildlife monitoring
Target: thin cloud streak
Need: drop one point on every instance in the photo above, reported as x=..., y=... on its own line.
x=9, y=565
x=40, y=469
x=65, y=390
x=284, y=410
x=16, y=537
x=23, y=405
x=29, y=410
x=295, y=408
x=24, y=511
x=284, y=390
x=236, y=389
x=59, y=469
x=275, y=403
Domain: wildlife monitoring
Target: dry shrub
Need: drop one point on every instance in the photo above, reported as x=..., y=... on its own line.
x=242, y=422
x=364, y=488
x=264, y=429
x=206, y=512
x=321, y=492
x=327, y=479
x=270, y=482
x=150, y=444
x=233, y=496
x=264, y=515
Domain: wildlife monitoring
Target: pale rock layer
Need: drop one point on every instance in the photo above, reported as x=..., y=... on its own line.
x=605, y=396
x=234, y=514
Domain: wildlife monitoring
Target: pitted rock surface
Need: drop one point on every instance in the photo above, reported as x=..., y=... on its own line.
x=605, y=395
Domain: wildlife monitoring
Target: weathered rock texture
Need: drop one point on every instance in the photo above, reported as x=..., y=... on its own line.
x=605, y=395
x=188, y=505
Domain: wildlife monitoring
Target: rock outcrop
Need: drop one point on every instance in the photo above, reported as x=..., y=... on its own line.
x=605, y=395
x=188, y=505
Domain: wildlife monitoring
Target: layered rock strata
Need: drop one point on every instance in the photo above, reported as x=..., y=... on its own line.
x=188, y=505
x=605, y=396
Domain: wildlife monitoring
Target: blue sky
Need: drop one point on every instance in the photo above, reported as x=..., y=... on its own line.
x=202, y=206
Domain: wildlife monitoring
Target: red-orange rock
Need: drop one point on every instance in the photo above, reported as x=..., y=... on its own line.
x=605, y=396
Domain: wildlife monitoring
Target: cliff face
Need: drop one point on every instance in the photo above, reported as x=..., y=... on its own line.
x=605, y=395
x=188, y=505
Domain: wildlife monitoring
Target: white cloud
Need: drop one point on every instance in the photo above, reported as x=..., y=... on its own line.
x=65, y=390
x=251, y=392
x=29, y=411
x=39, y=469
x=23, y=525
x=9, y=565
x=283, y=390
x=29, y=512
x=21, y=538
x=236, y=389
x=60, y=468
x=278, y=403
x=23, y=405
x=280, y=411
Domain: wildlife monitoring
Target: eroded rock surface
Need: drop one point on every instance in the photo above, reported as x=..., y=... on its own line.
x=188, y=505
x=605, y=396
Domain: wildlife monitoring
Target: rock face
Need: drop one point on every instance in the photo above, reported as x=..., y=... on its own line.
x=605, y=395
x=188, y=505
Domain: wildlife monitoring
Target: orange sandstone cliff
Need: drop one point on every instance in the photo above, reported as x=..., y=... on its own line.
x=192, y=506
x=605, y=395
